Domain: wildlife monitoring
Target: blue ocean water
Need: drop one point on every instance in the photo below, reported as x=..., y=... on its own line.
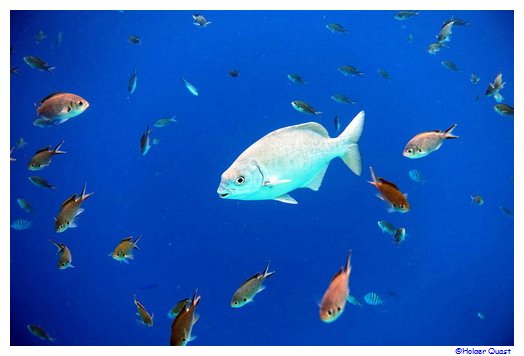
x=456, y=260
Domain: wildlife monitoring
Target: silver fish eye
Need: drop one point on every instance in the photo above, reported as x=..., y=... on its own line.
x=240, y=180
x=410, y=150
x=419, y=150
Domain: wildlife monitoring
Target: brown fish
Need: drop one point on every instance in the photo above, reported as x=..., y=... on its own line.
x=390, y=193
x=65, y=255
x=124, y=250
x=335, y=297
x=145, y=317
x=424, y=143
x=247, y=291
x=42, y=157
x=173, y=312
x=70, y=210
x=57, y=108
x=182, y=326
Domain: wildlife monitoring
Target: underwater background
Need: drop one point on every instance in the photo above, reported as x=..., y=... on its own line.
x=449, y=283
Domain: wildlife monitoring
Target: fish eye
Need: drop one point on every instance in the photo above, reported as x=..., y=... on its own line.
x=339, y=308
x=245, y=299
x=410, y=150
x=80, y=103
x=419, y=150
x=240, y=180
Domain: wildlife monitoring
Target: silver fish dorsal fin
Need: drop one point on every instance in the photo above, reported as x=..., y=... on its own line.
x=311, y=126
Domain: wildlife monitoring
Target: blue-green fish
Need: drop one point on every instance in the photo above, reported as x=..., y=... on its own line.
x=39, y=332
x=353, y=300
x=164, y=121
x=247, y=291
x=340, y=98
x=504, y=109
x=477, y=199
x=416, y=176
x=399, y=236
x=304, y=107
x=386, y=226
x=190, y=87
x=21, y=224
x=131, y=84
x=404, y=15
x=335, y=27
x=450, y=65
x=41, y=182
x=134, y=39
x=24, y=204
x=350, y=70
x=384, y=74
x=38, y=63
x=200, y=20
x=295, y=78
x=373, y=298
x=145, y=141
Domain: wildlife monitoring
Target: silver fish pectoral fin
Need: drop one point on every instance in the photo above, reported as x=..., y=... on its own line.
x=286, y=198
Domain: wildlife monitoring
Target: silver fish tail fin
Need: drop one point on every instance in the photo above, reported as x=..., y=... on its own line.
x=449, y=132
x=266, y=271
x=350, y=137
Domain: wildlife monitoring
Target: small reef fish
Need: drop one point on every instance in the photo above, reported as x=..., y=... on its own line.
x=173, y=312
x=42, y=157
x=38, y=63
x=234, y=73
x=24, y=204
x=339, y=98
x=450, y=65
x=289, y=158
x=353, y=300
x=12, y=158
x=474, y=78
x=507, y=211
x=335, y=27
x=65, y=259
x=384, y=74
x=58, y=40
x=247, y=291
x=200, y=20
x=124, y=250
x=334, y=300
x=69, y=210
x=416, y=176
x=477, y=199
x=444, y=34
x=373, y=298
x=39, y=332
x=131, y=83
x=503, y=109
x=21, y=224
x=164, y=121
x=399, y=236
x=455, y=22
x=21, y=143
x=404, y=15
x=295, y=78
x=145, y=317
x=387, y=227
x=190, y=87
x=14, y=70
x=134, y=39
x=145, y=141
x=495, y=88
x=434, y=48
x=350, y=70
x=336, y=121
x=410, y=38
x=57, y=108
x=390, y=193
x=304, y=108
x=40, y=36
x=41, y=182
x=481, y=315
x=424, y=143
x=182, y=326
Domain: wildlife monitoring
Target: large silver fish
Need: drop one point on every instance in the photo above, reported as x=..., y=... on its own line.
x=289, y=158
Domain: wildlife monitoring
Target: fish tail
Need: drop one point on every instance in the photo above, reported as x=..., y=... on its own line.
x=57, y=245
x=350, y=137
x=373, y=176
x=50, y=69
x=56, y=150
x=266, y=271
x=448, y=133
x=134, y=243
x=196, y=298
x=84, y=196
x=348, y=261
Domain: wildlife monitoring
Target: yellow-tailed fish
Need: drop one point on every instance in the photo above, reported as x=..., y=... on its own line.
x=42, y=157
x=65, y=259
x=247, y=291
x=69, y=210
x=145, y=317
x=334, y=299
x=124, y=250
x=182, y=326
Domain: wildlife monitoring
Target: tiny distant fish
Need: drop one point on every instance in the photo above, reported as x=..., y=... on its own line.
x=57, y=108
x=134, y=39
x=21, y=143
x=455, y=22
x=474, y=78
x=339, y=98
x=386, y=226
x=444, y=34
x=399, y=236
x=353, y=300
x=39, y=332
x=390, y=193
x=145, y=317
x=450, y=65
x=70, y=210
x=384, y=74
x=350, y=70
x=200, y=20
x=173, y=312
x=156, y=141
x=131, y=84
x=506, y=211
x=190, y=87
x=247, y=291
x=434, y=48
x=12, y=158
x=426, y=142
x=58, y=40
x=182, y=326
x=496, y=86
x=335, y=27
x=234, y=73
x=336, y=121
x=410, y=38
x=42, y=157
x=41, y=182
x=334, y=300
x=481, y=315
x=164, y=121
x=65, y=259
x=145, y=141
x=373, y=298
x=304, y=108
x=38, y=63
x=295, y=78
x=21, y=224
x=503, y=109
x=124, y=250
x=416, y=176
x=40, y=36
x=24, y=204
x=477, y=199
x=404, y=15
x=14, y=70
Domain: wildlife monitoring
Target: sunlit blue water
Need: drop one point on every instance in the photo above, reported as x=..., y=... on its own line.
x=456, y=260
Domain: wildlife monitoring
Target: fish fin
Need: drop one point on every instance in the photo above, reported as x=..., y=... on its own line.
x=273, y=181
x=348, y=261
x=391, y=209
x=130, y=257
x=317, y=113
x=286, y=198
x=448, y=133
x=195, y=318
x=57, y=151
x=266, y=271
x=73, y=224
x=260, y=289
x=71, y=266
x=43, y=149
x=84, y=196
x=125, y=261
x=383, y=181
x=378, y=195
x=193, y=337
x=79, y=211
x=338, y=273
x=315, y=183
x=351, y=136
x=310, y=126
x=56, y=244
